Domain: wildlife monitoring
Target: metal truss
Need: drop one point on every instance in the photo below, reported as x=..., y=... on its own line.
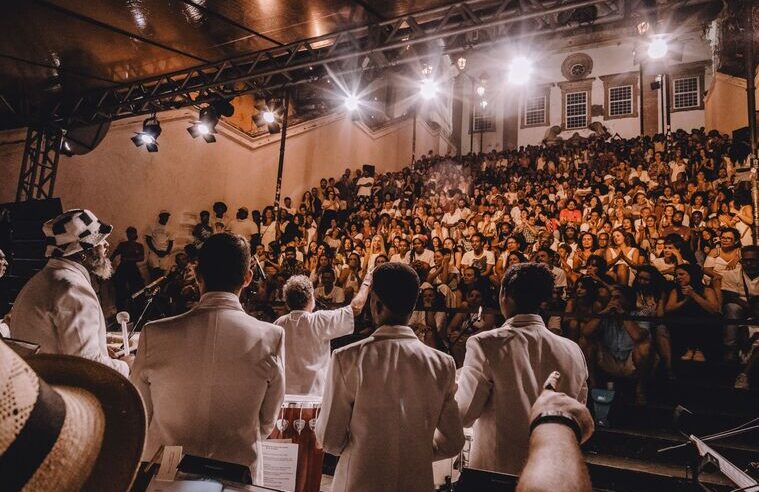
x=40, y=163
x=442, y=30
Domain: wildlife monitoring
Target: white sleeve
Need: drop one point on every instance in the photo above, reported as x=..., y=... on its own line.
x=335, y=323
x=490, y=258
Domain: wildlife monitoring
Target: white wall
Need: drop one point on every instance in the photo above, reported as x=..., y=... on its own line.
x=610, y=58
x=126, y=186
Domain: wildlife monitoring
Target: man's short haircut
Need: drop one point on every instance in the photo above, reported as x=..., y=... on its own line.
x=298, y=292
x=223, y=261
x=397, y=286
x=528, y=285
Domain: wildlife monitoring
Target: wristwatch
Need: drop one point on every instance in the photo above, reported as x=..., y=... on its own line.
x=557, y=417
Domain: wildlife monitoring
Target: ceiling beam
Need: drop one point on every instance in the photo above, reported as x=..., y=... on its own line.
x=213, y=13
x=438, y=31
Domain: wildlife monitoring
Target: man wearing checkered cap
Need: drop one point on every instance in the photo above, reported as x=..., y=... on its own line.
x=58, y=308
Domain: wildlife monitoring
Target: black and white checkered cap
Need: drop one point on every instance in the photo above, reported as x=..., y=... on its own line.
x=73, y=231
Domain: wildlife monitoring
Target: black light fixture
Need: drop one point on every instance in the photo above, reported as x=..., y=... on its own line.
x=205, y=125
x=151, y=130
x=267, y=118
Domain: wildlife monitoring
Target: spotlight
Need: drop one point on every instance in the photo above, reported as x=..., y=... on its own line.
x=351, y=103
x=480, y=90
x=484, y=104
x=520, y=70
x=205, y=126
x=461, y=62
x=428, y=88
x=269, y=117
x=657, y=48
x=151, y=130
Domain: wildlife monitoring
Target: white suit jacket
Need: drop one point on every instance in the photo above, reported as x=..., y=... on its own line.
x=502, y=376
x=212, y=380
x=59, y=310
x=307, y=337
x=389, y=412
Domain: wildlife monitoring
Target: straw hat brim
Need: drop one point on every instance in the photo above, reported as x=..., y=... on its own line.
x=125, y=421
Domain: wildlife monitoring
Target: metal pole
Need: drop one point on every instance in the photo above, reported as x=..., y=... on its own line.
x=666, y=103
x=413, y=141
x=482, y=136
x=282, y=141
x=640, y=84
x=751, y=96
x=471, y=118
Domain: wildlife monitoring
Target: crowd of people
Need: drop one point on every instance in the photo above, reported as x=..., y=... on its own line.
x=482, y=280
x=644, y=227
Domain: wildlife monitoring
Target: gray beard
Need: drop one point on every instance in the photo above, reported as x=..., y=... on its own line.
x=102, y=268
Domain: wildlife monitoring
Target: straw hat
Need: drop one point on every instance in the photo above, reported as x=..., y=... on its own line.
x=67, y=424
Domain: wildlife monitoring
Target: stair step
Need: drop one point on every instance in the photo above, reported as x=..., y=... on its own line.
x=620, y=474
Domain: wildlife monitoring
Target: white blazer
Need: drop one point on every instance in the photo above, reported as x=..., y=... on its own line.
x=389, y=412
x=212, y=380
x=59, y=310
x=502, y=376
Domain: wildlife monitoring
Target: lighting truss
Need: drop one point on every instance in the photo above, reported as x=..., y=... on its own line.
x=450, y=29
x=40, y=163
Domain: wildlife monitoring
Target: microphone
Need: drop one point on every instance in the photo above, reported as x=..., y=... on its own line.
x=148, y=287
x=123, y=318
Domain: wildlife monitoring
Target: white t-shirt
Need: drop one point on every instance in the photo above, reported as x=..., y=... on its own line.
x=732, y=282
x=161, y=236
x=427, y=256
x=337, y=295
x=364, y=190
x=479, y=262
x=396, y=258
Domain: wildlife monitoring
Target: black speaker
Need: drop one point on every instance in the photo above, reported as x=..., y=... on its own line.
x=81, y=140
x=741, y=147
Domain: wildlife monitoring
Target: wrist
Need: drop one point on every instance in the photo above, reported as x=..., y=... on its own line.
x=557, y=417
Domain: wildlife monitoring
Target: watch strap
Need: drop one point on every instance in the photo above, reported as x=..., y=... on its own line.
x=557, y=417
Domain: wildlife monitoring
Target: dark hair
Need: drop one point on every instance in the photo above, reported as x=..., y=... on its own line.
x=397, y=286
x=528, y=285
x=223, y=262
x=628, y=294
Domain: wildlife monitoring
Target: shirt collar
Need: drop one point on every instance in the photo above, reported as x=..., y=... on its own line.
x=525, y=320
x=394, y=331
x=220, y=299
x=70, y=265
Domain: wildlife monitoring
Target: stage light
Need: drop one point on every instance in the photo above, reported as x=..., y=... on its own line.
x=151, y=130
x=520, y=70
x=484, y=104
x=657, y=48
x=480, y=90
x=351, y=103
x=266, y=118
x=428, y=88
x=205, y=126
x=461, y=63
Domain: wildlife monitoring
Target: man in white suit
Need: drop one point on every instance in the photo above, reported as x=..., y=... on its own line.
x=389, y=409
x=504, y=371
x=58, y=308
x=213, y=378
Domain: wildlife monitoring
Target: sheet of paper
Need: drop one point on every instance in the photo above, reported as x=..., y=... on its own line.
x=172, y=455
x=184, y=486
x=280, y=464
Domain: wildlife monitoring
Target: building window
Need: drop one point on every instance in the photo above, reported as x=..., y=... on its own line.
x=483, y=120
x=576, y=110
x=535, y=111
x=621, y=100
x=686, y=93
